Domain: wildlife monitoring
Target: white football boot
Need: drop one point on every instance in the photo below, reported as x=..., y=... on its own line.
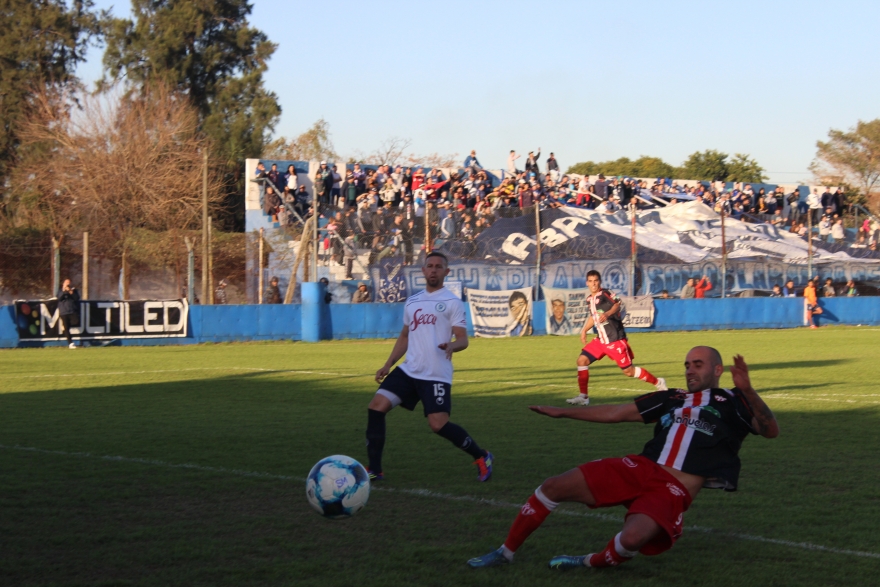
x=580, y=400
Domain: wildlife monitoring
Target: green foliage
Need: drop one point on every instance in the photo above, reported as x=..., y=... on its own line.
x=708, y=165
x=253, y=419
x=644, y=166
x=41, y=42
x=850, y=157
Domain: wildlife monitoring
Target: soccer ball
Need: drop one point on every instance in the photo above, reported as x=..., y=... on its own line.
x=338, y=487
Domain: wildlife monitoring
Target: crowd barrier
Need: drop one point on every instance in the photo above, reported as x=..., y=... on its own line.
x=314, y=320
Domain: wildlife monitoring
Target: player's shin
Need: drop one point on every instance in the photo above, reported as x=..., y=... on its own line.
x=531, y=515
x=375, y=439
x=584, y=380
x=460, y=438
x=613, y=555
x=645, y=376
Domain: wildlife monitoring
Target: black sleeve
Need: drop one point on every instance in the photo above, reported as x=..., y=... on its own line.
x=652, y=405
x=744, y=410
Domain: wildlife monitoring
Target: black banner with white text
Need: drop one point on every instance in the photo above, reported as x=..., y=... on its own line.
x=102, y=320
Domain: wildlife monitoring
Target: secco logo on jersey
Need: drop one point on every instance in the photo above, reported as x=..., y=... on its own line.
x=421, y=318
x=675, y=490
x=629, y=463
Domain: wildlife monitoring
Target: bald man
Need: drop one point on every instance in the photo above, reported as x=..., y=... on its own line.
x=697, y=437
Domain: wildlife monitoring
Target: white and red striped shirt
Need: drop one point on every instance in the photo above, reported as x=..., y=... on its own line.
x=698, y=433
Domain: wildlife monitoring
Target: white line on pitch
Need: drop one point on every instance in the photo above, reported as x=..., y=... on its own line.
x=437, y=495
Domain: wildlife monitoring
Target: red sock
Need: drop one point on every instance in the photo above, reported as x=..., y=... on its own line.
x=611, y=556
x=645, y=376
x=583, y=380
x=531, y=515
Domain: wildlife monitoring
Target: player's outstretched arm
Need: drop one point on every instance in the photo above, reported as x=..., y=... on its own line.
x=611, y=414
x=763, y=422
x=396, y=353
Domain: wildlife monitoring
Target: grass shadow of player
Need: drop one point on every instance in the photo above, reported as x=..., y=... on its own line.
x=799, y=364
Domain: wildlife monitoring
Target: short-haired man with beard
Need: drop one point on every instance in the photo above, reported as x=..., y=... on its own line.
x=432, y=318
x=697, y=437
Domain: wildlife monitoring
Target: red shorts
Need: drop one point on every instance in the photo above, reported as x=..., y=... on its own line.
x=643, y=487
x=618, y=351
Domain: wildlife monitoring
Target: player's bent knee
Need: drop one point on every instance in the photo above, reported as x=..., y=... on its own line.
x=629, y=371
x=437, y=422
x=380, y=403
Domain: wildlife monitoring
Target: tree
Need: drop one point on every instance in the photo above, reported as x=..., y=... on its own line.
x=745, y=169
x=312, y=145
x=113, y=165
x=41, y=43
x=713, y=165
x=644, y=166
x=208, y=51
x=850, y=157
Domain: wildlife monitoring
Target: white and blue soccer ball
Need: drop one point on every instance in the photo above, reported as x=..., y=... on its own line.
x=338, y=487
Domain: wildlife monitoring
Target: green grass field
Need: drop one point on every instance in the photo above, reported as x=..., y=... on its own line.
x=186, y=466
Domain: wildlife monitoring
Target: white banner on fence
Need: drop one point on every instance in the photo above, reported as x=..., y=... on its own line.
x=498, y=314
x=567, y=310
x=639, y=311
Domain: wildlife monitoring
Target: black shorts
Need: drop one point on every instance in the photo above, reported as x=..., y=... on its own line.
x=436, y=396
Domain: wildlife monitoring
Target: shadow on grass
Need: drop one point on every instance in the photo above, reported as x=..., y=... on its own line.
x=800, y=364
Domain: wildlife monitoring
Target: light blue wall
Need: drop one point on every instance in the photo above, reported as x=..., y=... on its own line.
x=341, y=321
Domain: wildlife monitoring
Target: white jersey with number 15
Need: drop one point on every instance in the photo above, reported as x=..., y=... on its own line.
x=430, y=318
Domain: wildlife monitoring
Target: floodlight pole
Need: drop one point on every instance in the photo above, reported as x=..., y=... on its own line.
x=723, y=256
x=205, y=227
x=538, y=241
x=809, y=244
x=260, y=270
x=85, y=277
x=632, y=269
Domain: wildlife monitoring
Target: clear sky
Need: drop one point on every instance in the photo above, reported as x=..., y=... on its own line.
x=587, y=80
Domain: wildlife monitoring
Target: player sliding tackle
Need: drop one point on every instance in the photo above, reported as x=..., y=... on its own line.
x=431, y=319
x=697, y=437
x=611, y=340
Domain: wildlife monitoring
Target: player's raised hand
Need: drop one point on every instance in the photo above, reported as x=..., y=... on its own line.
x=381, y=374
x=446, y=346
x=547, y=411
x=740, y=373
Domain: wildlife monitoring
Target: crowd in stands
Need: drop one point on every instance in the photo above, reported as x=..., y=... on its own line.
x=386, y=209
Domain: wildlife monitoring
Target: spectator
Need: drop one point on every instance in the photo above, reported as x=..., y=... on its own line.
x=701, y=287
x=664, y=295
x=323, y=184
x=273, y=294
x=777, y=291
x=789, y=291
x=261, y=179
x=361, y=295
x=471, y=162
x=291, y=181
x=828, y=290
x=349, y=254
x=850, y=289
x=825, y=228
x=793, y=199
x=511, y=163
x=600, y=188
x=553, y=167
x=532, y=163
x=688, y=291
x=336, y=188
x=814, y=205
x=271, y=202
x=837, y=231
x=220, y=293
x=68, y=309
x=276, y=178
x=325, y=283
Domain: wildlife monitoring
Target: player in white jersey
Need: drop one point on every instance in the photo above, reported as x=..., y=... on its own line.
x=434, y=327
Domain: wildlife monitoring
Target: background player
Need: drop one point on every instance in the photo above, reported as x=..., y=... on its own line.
x=610, y=340
x=431, y=318
x=696, y=444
